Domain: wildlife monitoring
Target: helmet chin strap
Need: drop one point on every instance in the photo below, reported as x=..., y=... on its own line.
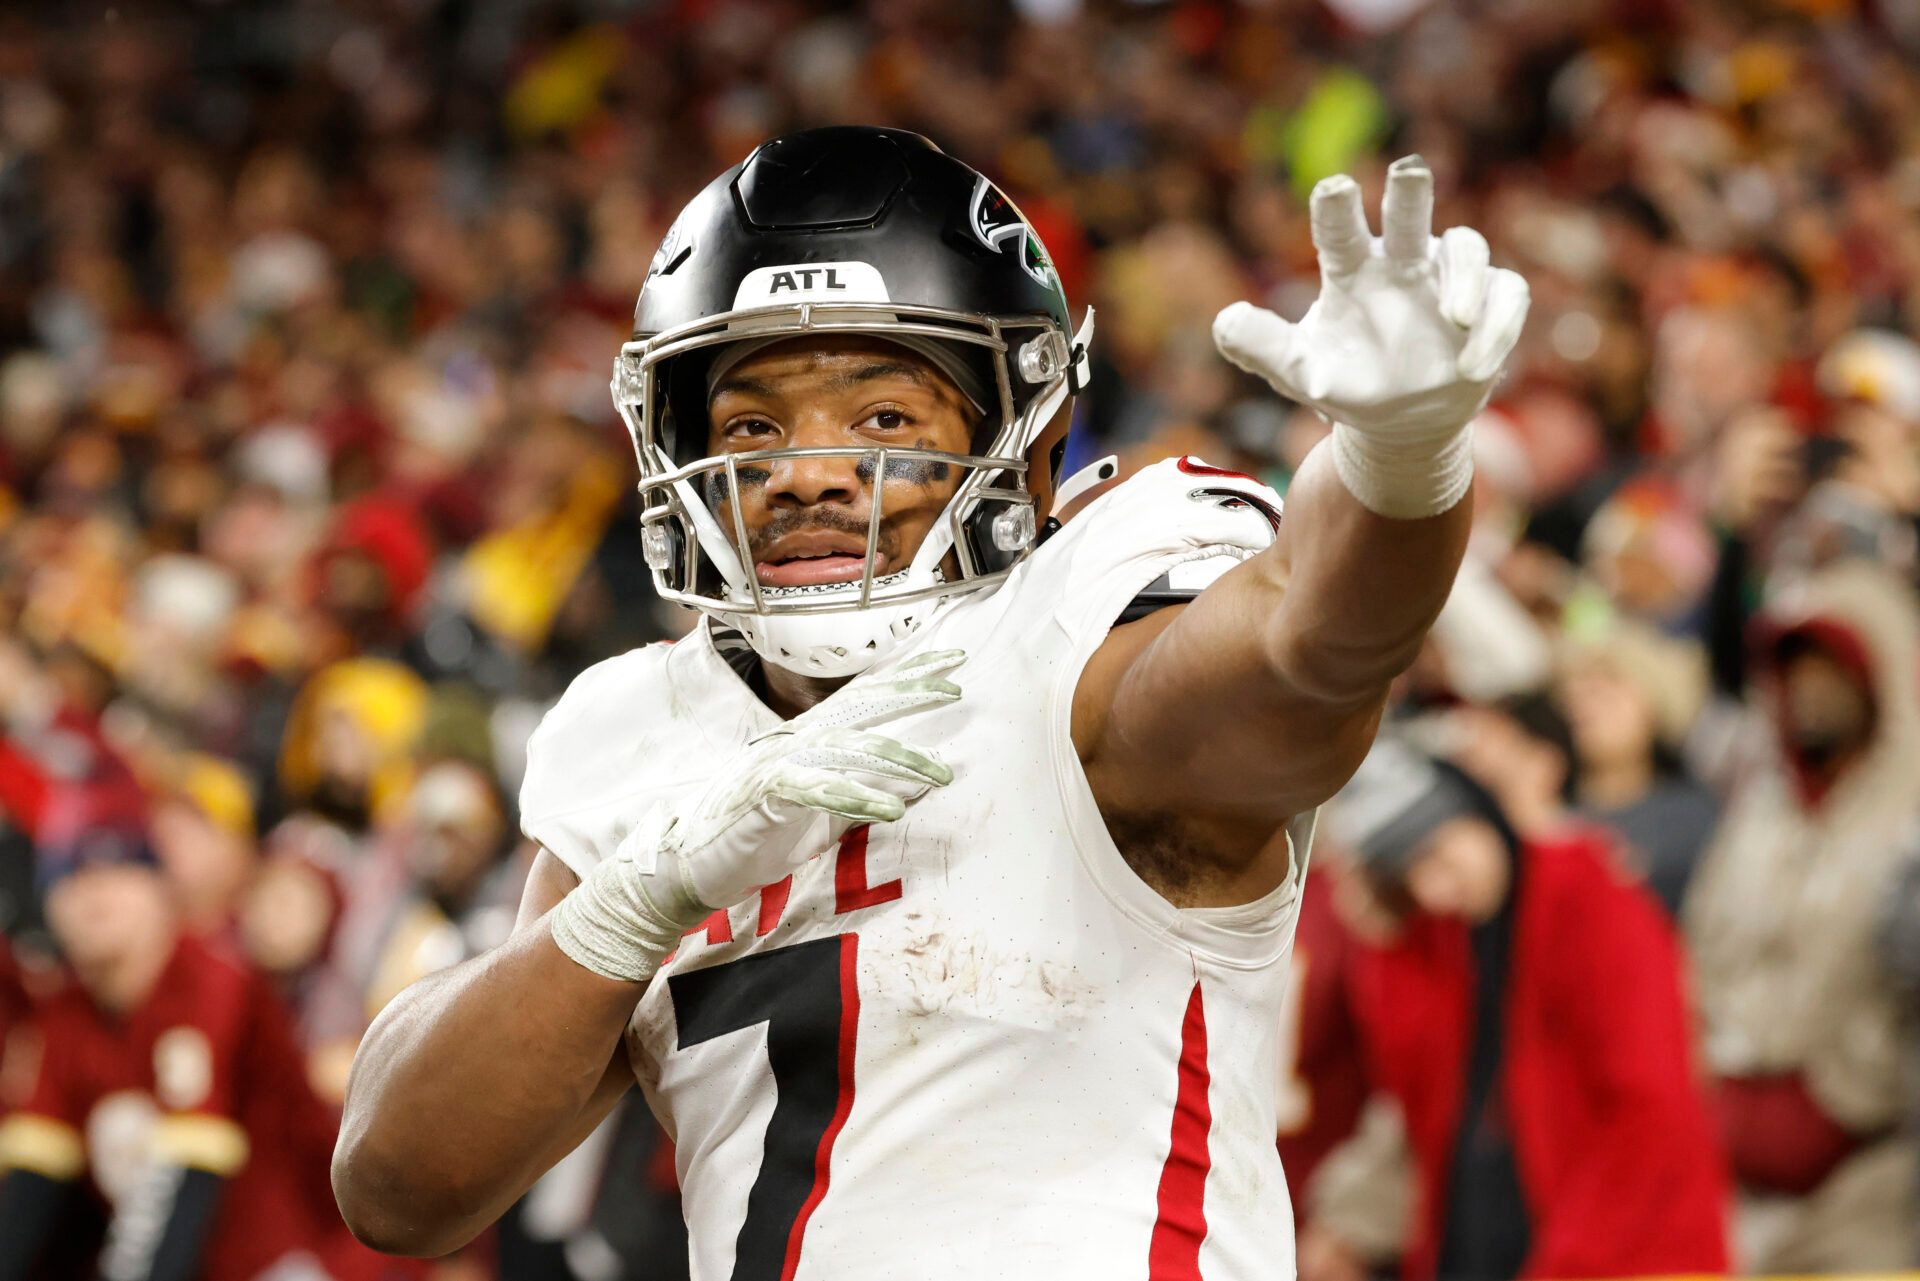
x=824, y=646
x=846, y=642
x=715, y=543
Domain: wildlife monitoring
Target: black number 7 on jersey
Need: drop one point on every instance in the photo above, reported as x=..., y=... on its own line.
x=806, y=996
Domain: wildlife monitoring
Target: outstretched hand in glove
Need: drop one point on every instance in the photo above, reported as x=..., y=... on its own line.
x=1401, y=349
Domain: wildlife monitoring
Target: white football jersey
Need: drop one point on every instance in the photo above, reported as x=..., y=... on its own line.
x=973, y=1043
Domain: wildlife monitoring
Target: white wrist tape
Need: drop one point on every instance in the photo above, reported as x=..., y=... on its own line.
x=1405, y=477
x=623, y=919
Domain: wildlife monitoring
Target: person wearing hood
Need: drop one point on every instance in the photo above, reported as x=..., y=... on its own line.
x=1805, y=1024
x=1523, y=1001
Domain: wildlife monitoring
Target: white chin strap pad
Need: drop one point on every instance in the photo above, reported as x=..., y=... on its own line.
x=832, y=646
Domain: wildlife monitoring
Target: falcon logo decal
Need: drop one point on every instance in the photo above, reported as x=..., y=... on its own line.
x=998, y=225
x=673, y=251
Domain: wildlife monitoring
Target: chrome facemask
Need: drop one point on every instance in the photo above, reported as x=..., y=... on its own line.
x=700, y=552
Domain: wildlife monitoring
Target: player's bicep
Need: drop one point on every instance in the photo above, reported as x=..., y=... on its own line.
x=1188, y=710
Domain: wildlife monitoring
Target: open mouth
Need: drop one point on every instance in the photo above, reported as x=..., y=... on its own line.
x=803, y=560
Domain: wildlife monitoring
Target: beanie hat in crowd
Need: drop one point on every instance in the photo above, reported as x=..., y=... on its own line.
x=219, y=790
x=1396, y=799
x=91, y=827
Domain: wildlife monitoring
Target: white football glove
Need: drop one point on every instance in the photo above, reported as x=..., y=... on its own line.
x=1402, y=347
x=791, y=795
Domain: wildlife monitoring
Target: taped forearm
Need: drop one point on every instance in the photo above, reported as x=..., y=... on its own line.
x=1405, y=476
x=629, y=912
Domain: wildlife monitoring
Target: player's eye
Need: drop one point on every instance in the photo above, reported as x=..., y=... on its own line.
x=749, y=429
x=889, y=418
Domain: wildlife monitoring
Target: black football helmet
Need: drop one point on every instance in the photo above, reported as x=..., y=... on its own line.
x=845, y=230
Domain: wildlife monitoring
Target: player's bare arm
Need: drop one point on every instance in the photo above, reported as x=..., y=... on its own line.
x=474, y=1081
x=1205, y=728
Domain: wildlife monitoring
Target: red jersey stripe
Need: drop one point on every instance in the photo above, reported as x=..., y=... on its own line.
x=1174, y=1252
x=823, y=1155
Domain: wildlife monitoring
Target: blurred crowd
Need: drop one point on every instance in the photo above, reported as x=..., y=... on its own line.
x=312, y=499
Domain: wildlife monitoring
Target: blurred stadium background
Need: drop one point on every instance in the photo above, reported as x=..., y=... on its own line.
x=312, y=499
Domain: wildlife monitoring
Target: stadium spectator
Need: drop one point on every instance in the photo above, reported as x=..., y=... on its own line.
x=202, y=833
x=1631, y=696
x=1898, y=940
x=436, y=887
x=1520, y=750
x=1527, y=1010
x=1805, y=1026
x=288, y=918
x=17, y=1037
x=168, y=1080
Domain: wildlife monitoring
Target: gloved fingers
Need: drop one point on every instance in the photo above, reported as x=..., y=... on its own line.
x=1406, y=211
x=914, y=685
x=1257, y=341
x=831, y=793
x=934, y=663
x=1465, y=267
x=1498, y=329
x=856, y=750
x=1340, y=232
x=877, y=704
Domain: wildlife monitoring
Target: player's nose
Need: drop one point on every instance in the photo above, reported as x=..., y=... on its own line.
x=809, y=479
x=807, y=482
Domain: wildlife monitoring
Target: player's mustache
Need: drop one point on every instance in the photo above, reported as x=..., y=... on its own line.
x=808, y=519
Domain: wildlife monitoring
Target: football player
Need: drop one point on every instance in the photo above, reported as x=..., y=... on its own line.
x=938, y=888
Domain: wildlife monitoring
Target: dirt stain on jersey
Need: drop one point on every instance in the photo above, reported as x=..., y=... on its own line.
x=936, y=970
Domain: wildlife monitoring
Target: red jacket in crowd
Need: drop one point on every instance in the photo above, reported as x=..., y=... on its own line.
x=1618, y=1160
x=205, y=1074
x=1323, y=1081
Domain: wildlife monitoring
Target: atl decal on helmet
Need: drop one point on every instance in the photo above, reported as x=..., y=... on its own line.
x=806, y=282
